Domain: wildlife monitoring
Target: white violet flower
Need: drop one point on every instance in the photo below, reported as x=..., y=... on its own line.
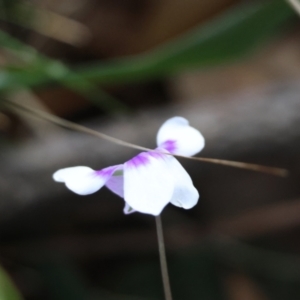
x=150, y=180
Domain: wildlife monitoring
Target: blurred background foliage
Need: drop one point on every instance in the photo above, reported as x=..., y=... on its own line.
x=99, y=61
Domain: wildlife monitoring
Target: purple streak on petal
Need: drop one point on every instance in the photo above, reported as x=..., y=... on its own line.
x=107, y=172
x=156, y=154
x=169, y=145
x=139, y=160
x=116, y=183
x=142, y=159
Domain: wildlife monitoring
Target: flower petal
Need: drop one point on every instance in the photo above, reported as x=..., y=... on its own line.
x=185, y=194
x=83, y=180
x=176, y=136
x=148, y=183
x=116, y=182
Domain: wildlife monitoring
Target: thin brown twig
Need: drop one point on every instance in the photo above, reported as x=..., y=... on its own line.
x=295, y=5
x=70, y=125
x=163, y=258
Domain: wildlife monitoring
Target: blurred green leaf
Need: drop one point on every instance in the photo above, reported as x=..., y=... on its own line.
x=8, y=290
x=63, y=280
x=226, y=38
x=37, y=69
x=17, y=11
x=7, y=8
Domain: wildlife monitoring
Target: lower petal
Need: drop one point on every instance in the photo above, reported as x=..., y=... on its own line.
x=83, y=180
x=148, y=183
x=185, y=194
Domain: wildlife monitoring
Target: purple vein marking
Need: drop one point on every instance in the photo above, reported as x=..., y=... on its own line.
x=143, y=159
x=169, y=145
x=107, y=172
x=140, y=160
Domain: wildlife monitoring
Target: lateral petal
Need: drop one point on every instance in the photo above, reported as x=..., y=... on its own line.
x=83, y=180
x=185, y=195
x=148, y=183
x=176, y=136
x=116, y=182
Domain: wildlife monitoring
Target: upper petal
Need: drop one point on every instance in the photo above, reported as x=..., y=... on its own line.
x=176, y=136
x=83, y=180
x=148, y=183
x=185, y=194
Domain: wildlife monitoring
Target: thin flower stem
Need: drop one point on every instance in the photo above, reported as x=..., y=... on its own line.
x=163, y=259
x=70, y=125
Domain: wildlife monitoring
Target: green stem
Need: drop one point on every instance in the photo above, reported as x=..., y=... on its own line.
x=163, y=259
